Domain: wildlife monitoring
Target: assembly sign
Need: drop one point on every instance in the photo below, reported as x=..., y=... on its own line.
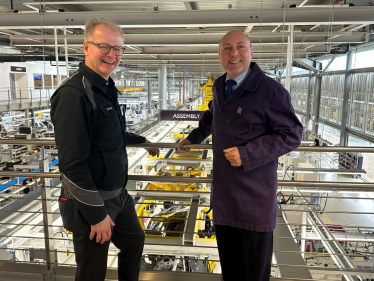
x=176, y=115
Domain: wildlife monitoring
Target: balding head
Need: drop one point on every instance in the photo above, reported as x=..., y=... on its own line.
x=237, y=32
x=235, y=53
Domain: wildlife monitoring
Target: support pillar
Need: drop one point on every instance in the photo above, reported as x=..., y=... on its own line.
x=56, y=54
x=173, y=90
x=66, y=54
x=192, y=89
x=188, y=90
x=309, y=100
x=169, y=89
x=180, y=91
x=316, y=103
x=149, y=90
x=162, y=83
x=184, y=87
x=347, y=86
x=289, y=58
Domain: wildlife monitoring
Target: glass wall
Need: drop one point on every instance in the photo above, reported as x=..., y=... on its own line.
x=332, y=88
x=361, y=96
x=299, y=93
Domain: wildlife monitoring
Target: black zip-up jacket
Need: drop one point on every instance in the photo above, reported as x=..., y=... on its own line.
x=91, y=138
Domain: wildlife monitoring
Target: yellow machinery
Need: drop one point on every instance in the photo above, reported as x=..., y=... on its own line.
x=121, y=90
x=163, y=219
x=180, y=136
x=203, y=225
x=208, y=94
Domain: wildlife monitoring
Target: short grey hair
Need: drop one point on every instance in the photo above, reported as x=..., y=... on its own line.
x=92, y=23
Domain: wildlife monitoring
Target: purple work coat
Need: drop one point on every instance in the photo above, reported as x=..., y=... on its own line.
x=259, y=120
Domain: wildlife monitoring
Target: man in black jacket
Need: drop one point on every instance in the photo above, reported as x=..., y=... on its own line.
x=90, y=130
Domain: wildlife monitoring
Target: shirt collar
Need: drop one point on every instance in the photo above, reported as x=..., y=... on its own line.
x=239, y=80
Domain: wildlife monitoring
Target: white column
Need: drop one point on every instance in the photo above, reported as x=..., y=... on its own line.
x=162, y=76
x=56, y=53
x=149, y=89
x=66, y=54
x=289, y=58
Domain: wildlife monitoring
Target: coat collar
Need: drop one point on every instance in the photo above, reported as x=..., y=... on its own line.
x=250, y=84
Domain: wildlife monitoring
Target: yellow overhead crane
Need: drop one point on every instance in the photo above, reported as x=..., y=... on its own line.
x=208, y=94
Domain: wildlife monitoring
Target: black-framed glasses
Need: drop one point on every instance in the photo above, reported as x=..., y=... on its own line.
x=105, y=48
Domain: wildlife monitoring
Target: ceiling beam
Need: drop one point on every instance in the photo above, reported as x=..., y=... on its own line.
x=248, y=29
x=211, y=18
x=202, y=37
x=190, y=5
x=302, y=4
x=136, y=41
x=308, y=64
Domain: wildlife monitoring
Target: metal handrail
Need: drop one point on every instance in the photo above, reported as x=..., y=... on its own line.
x=317, y=184
x=201, y=146
x=145, y=193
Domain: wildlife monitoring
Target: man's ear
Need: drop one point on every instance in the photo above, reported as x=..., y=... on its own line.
x=85, y=47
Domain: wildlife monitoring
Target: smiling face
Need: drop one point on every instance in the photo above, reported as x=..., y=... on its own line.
x=102, y=64
x=235, y=53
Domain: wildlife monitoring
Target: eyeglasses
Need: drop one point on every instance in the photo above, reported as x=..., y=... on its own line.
x=105, y=48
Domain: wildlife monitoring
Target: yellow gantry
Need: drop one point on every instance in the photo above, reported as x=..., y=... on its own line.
x=208, y=94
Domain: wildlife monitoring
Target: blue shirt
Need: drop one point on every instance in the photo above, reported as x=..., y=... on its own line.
x=238, y=79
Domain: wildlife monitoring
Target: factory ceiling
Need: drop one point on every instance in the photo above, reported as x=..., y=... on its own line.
x=185, y=35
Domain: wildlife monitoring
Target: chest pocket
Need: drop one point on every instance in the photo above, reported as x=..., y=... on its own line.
x=110, y=127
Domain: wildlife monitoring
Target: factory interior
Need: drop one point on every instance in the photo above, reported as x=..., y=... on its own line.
x=321, y=51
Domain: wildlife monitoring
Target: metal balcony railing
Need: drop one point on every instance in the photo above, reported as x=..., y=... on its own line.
x=24, y=98
x=28, y=230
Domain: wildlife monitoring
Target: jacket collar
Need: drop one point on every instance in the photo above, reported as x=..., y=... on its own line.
x=105, y=86
x=253, y=79
x=250, y=84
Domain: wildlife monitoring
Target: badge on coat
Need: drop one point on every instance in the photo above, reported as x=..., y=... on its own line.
x=239, y=111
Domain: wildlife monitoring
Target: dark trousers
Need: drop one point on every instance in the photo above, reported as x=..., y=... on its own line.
x=127, y=236
x=244, y=255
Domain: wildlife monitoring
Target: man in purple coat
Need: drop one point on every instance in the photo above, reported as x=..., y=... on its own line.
x=252, y=123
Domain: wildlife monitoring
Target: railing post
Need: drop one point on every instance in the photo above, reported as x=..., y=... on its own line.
x=20, y=99
x=51, y=258
x=11, y=151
